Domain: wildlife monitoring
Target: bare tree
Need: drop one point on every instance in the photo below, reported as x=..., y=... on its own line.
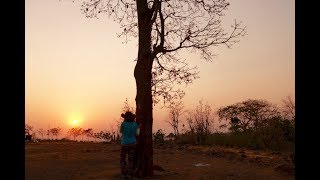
x=75, y=132
x=28, y=129
x=28, y=135
x=118, y=125
x=189, y=120
x=126, y=107
x=41, y=132
x=164, y=28
x=88, y=133
x=200, y=121
x=82, y=133
x=55, y=131
x=288, y=108
x=48, y=133
x=103, y=135
x=112, y=130
x=95, y=136
x=175, y=111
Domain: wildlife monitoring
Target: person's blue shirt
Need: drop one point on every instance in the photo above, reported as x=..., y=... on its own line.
x=128, y=130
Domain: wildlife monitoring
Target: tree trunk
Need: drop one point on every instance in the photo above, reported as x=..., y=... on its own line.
x=143, y=77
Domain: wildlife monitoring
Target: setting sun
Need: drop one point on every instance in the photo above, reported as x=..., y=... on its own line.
x=75, y=122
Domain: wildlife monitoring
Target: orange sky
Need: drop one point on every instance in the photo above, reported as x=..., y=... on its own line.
x=77, y=68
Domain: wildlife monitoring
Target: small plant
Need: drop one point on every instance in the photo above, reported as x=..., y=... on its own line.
x=159, y=136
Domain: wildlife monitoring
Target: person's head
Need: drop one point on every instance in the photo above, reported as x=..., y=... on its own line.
x=128, y=116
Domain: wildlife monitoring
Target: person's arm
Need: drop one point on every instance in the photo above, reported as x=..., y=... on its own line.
x=138, y=130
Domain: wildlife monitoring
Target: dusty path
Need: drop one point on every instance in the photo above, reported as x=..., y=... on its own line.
x=73, y=161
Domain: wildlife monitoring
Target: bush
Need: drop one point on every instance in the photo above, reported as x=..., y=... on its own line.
x=187, y=138
x=276, y=134
x=159, y=136
x=249, y=139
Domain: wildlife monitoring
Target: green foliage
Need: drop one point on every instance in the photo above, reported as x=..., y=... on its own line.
x=159, y=136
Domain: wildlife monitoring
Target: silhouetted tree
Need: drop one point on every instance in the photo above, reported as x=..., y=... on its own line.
x=200, y=121
x=96, y=136
x=55, y=131
x=249, y=114
x=88, y=133
x=164, y=28
x=103, y=135
x=48, y=133
x=28, y=135
x=288, y=108
x=277, y=131
x=41, y=132
x=107, y=136
x=175, y=111
x=75, y=132
x=118, y=125
x=99, y=135
x=126, y=107
x=28, y=129
x=289, y=117
x=234, y=125
x=189, y=119
x=82, y=133
x=113, y=131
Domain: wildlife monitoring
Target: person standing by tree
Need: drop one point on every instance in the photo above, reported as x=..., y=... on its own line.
x=129, y=129
x=164, y=30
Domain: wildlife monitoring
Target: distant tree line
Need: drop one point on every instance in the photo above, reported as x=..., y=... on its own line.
x=72, y=134
x=253, y=123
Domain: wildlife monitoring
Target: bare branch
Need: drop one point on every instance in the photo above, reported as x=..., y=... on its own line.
x=176, y=25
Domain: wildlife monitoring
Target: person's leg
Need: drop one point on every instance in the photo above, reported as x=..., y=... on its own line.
x=135, y=160
x=131, y=154
x=123, y=164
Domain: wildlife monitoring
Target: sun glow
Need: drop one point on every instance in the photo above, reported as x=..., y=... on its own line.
x=75, y=121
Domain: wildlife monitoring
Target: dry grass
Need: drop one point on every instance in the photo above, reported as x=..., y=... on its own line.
x=71, y=160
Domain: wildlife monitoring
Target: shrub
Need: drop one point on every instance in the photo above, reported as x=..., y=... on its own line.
x=159, y=136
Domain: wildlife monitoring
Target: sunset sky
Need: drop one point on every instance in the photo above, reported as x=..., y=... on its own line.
x=78, y=69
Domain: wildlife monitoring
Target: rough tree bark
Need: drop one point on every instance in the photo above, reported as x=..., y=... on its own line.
x=143, y=77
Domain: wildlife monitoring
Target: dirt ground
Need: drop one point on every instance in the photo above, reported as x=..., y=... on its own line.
x=98, y=161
